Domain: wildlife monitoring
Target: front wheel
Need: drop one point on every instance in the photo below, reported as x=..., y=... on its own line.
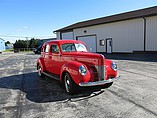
x=69, y=84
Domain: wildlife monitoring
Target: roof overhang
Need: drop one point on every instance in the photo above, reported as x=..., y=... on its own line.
x=114, y=18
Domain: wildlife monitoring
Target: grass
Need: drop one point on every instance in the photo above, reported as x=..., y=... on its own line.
x=9, y=50
x=12, y=50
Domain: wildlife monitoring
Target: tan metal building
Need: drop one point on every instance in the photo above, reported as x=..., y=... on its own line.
x=129, y=32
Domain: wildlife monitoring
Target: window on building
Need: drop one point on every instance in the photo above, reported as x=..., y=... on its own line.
x=102, y=42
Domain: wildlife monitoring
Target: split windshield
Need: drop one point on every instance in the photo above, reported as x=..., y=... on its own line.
x=73, y=47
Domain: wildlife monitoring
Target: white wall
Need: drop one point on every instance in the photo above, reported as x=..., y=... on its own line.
x=127, y=36
x=151, y=35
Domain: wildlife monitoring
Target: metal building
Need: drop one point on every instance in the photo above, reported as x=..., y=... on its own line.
x=129, y=32
x=2, y=45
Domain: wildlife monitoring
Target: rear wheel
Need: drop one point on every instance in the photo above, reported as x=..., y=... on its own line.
x=40, y=71
x=69, y=84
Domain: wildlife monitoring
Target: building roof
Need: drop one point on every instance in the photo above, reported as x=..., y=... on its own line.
x=114, y=18
x=48, y=39
x=2, y=39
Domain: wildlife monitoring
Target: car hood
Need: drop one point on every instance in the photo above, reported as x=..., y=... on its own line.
x=85, y=57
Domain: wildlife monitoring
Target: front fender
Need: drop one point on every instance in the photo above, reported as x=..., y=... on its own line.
x=72, y=68
x=109, y=71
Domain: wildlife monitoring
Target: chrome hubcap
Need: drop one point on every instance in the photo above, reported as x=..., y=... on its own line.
x=67, y=83
x=39, y=71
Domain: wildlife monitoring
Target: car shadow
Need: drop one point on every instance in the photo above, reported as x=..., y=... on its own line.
x=32, y=54
x=147, y=57
x=46, y=89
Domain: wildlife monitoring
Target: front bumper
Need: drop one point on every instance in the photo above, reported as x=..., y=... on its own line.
x=98, y=82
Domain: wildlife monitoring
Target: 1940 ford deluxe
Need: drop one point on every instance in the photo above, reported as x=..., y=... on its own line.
x=70, y=62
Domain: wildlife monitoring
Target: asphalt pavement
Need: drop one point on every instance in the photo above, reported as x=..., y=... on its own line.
x=24, y=95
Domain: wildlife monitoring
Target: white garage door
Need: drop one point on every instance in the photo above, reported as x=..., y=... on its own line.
x=90, y=41
x=67, y=35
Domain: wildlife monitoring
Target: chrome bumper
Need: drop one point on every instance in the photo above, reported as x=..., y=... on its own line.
x=98, y=82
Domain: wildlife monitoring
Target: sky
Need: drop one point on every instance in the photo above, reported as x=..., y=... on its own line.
x=39, y=18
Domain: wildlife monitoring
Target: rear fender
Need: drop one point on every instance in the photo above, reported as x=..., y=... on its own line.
x=73, y=69
x=40, y=62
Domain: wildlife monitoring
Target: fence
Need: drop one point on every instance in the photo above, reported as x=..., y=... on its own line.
x=23, y=49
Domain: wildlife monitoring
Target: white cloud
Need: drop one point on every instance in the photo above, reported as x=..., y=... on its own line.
x=22, y=29
x=25, y=27
x=19, y=30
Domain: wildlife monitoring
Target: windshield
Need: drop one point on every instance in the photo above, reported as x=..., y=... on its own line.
x=73, y=47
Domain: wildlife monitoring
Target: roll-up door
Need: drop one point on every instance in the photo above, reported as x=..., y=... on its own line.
x=67, y=35
x=90, y=41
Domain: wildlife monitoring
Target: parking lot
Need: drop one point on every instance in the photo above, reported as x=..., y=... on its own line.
x=24, y=95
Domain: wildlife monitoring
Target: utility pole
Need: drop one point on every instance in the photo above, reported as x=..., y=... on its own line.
x=27, y=42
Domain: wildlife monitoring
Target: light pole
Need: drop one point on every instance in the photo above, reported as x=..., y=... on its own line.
x=27, y=42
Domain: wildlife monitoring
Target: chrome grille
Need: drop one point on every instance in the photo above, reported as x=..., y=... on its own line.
x=101, y=70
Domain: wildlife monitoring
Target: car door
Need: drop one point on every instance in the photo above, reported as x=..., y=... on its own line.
x=55, y=59
x=46, y=56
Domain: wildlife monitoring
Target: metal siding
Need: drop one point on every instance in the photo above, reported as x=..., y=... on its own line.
x=58, y=35
x=151, y=33
x=127, y=36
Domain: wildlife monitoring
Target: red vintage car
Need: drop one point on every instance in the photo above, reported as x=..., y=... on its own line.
x=70, y=62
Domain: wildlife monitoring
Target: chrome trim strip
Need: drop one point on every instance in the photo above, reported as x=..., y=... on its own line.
x=102, y=68
x=51, y=76
x=98, y=82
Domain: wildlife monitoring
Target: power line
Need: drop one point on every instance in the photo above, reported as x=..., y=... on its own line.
x=13, y=36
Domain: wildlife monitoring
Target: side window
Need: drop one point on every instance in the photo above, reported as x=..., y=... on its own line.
x=46, y=48
x=54, y=49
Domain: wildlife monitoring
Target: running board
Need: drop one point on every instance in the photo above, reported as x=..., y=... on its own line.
x=51, y=76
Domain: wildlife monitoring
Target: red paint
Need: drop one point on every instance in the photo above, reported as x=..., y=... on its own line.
x=58, y=63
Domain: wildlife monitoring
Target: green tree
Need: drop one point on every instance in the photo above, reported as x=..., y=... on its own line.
x=7, y=42
x=33, y=43
x=20, y=44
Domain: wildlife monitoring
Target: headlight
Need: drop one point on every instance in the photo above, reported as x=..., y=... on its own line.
x=82, y=70
x=114, y=66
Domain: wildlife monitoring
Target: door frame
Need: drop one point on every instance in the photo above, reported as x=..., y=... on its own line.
x=107, y=45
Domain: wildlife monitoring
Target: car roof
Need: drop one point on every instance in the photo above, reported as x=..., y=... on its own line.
x=60, y=42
